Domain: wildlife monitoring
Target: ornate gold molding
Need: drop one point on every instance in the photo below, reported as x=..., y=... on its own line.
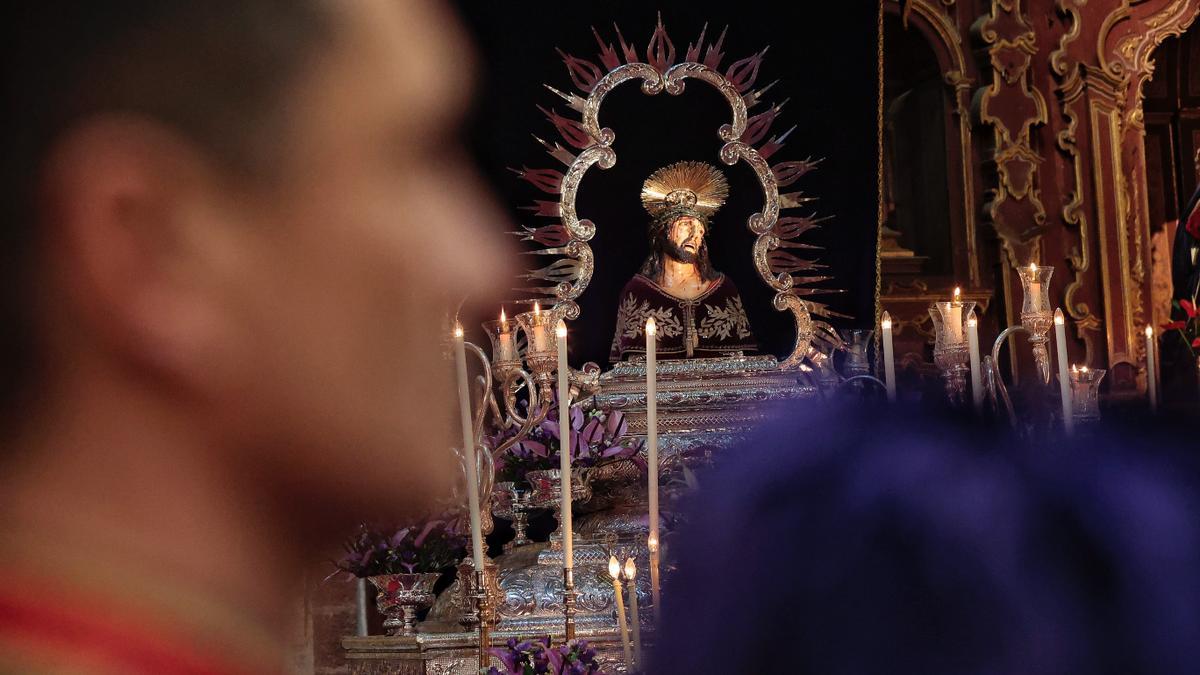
x=1017, y=162
x=1125, y=45
x=1070, y=93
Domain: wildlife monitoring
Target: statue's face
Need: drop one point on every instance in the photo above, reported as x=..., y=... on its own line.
x=687, y=236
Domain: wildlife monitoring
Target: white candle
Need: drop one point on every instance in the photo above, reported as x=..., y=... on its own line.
x=464, y=405
x=360, y=606
x=564, y=443
x=507, y=342
x=631, y=577
x=614, y=570
x=652, y=423
x=539, y=341
x=1064, y=380
x=976, y=372
x=1151, y=368
x=954, y=322
x=889, y=357
x=1035, y=289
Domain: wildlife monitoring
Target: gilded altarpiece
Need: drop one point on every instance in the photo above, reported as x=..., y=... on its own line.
x=1052, y=151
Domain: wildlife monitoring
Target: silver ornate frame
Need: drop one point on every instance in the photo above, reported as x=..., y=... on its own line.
x=779, y=268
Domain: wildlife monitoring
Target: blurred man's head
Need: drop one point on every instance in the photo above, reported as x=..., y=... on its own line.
x=248, y=217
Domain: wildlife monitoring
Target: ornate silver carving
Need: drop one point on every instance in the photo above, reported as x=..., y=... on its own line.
x=738, y=137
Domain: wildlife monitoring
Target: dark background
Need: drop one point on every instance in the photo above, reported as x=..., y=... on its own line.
x=824, y=57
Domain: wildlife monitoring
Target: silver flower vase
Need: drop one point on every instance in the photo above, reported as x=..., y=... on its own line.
x=401, y=596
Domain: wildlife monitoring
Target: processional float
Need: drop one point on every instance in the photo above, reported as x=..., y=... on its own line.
x=678, y=412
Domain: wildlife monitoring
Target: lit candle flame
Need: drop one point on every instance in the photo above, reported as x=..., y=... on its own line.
x=537, y=309
x=458, y=331
x=886, y=321
x=630, y=569
x=614, y=567
x=503, y=319
x=561, y=329
x=1033, y=268
x=651, y=327
x=1149, y=331
x=957, y=293
x=1058, y=317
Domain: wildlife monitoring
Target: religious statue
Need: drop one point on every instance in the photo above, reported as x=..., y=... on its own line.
x=698, y=310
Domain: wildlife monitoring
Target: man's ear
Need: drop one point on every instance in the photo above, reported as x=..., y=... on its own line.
x=122, y=197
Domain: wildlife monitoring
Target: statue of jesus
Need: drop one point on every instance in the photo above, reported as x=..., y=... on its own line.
x=698, y=310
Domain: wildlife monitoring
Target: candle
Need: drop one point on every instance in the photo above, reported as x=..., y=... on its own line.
x=652, y=423
x=614, y=570
x=360, y=607
x=564, y=443
x=889, y=357
x=976, y=372
x=507, y=343
x=539, y=342
x=954, y=322
x=1151, y=368
x=1035, y=289
x=1064, y=381
x=631, y=577
x=464, y=406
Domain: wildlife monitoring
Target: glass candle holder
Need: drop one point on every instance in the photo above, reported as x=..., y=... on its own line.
x=1037, y=317
x=1035, y=284
x=541, y=351
x=506, y=354
x=1085, y=393
x=951, y=353
x=858, y=343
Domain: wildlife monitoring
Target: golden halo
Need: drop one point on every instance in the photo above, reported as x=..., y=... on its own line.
x=690, y=186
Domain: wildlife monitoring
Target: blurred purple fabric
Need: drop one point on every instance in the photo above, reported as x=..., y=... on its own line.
x=853, y=542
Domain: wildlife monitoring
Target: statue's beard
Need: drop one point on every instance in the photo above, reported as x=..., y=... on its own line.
x=678, y=253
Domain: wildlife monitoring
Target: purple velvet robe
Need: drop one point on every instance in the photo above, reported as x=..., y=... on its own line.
x=711, y=325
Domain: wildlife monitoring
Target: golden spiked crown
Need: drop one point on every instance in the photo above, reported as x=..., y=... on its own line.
x=685, y=188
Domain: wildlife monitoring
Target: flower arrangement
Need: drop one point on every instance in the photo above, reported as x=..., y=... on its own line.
x=430, y=546
x=533, y=657
x=597, y=437
x=1189, y=328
